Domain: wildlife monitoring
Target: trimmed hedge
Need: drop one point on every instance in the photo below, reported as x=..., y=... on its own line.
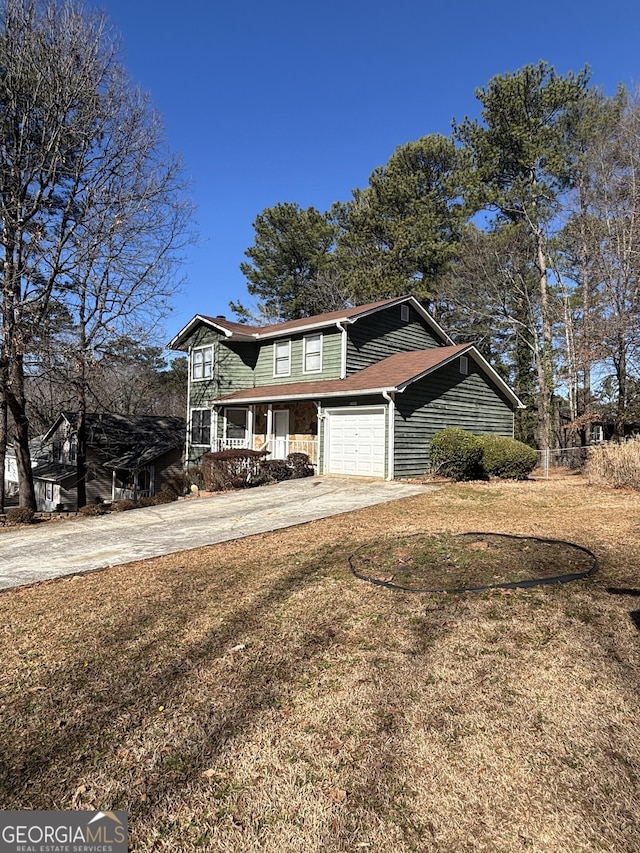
x=507, y=458
x=231, y=469
x=300, y=465
x=242, y=468
x=462, y=455
x=457, y=453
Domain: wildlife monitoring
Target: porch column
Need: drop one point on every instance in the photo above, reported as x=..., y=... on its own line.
x=213, y=438
x=269, y=434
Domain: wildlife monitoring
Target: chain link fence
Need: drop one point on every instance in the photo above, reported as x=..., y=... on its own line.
x=570, y=458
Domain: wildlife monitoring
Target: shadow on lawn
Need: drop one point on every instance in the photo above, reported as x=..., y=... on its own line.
x=90, y=715
x=635, y=593
x=71, y=725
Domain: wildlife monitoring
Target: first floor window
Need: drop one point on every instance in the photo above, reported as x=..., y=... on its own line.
x=201, y=426
x=48, y=491
x=236, y=423
x=202, y=363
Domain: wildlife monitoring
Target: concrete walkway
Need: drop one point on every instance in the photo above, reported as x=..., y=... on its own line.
x=80, y=545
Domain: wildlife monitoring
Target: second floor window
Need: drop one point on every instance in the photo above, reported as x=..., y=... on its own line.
x=202, y=363
x=282, y=358
x=201, y=427
x=312, y=354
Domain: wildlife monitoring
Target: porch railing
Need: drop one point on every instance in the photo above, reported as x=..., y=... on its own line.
x=308, y=447
x=230, y=444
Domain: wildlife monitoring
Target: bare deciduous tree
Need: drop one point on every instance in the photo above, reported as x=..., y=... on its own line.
x=92, y=211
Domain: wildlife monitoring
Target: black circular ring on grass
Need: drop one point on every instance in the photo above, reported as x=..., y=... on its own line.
x=522, y=584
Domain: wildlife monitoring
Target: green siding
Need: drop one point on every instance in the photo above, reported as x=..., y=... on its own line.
x=331, y=355
x=233, y=366
x=445, y=398
x=383, y=334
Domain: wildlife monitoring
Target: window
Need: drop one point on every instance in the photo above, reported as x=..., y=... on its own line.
x=404, y=313
x=201, y=426
x=202, y=363
x=597, y=433
x=48, y=491
x=144, y=480
x=282, y=358
x=312, y=354
x=464, y=365
x=236, y=423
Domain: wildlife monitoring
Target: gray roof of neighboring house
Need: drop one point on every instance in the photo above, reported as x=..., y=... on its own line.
x=55, y=472
x=128, y=442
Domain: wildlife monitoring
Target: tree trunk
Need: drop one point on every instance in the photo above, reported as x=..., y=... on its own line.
x=81, y=457
x=546, y=374
x=17, y=405
x=620, y=362
x=3, y=444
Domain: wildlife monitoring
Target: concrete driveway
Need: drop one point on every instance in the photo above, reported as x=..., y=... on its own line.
x=80, y=545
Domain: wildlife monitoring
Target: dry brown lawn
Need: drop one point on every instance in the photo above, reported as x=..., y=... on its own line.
x=256, y=696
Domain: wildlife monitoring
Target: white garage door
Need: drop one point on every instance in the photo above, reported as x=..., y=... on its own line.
x=356, y=442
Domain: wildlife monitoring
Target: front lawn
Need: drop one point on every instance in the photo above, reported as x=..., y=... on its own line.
x=255, y=695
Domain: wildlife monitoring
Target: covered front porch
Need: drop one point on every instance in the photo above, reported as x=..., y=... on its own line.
x=280, y=429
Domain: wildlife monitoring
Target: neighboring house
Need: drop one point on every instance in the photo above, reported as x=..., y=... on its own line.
x=361, y=391
x=127, y=458
x=11, y=464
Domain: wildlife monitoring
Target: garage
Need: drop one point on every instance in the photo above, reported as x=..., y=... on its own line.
x=355, y=442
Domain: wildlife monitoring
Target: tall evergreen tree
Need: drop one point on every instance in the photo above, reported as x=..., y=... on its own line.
x=293, y=248
x=519, y=155
x=399, y=234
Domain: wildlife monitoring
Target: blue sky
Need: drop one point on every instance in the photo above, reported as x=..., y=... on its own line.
x=299, y=100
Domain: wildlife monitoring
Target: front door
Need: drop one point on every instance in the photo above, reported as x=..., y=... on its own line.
x=280, y=433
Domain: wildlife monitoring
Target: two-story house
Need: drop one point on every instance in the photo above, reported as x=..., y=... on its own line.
x=361, y=391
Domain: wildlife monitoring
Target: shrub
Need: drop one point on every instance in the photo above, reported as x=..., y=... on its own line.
x=147, y=500
x=177, y=484
x=19, y=515
x=92, y=510
x=194, y=477
x=272, y=471
x=615, y=465
x=122, y=506
x=457, y=454
x=507, y=458
x=164, y=496
x=300, y=465
x=231, y=469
